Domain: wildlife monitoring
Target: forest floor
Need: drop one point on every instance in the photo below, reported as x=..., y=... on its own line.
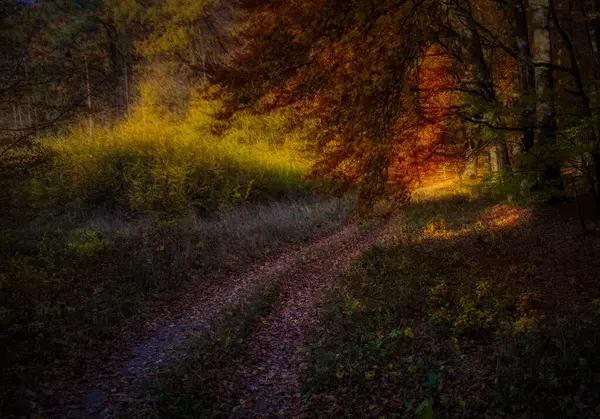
x=481, y=308
x=462, y=305
x=270, y=363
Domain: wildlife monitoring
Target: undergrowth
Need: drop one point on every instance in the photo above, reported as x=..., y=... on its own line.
x=478, y=309
x=187, y=389
x=67, y=284
x=160, y=163
x=100, y=225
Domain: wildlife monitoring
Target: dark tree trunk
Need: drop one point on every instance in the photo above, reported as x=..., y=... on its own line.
x=483, y=76
x=575, y=70
x=573, y=65
x=593, y=6
x=544, y=78
x=527, y=73
x=544, y=85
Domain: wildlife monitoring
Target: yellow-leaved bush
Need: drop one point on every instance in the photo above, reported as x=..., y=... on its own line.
x=161, y=161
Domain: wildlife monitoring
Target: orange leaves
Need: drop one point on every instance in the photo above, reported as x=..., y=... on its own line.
x=505, y=216
x=357, y=62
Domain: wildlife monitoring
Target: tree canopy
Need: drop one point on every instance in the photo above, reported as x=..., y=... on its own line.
x=393, y=88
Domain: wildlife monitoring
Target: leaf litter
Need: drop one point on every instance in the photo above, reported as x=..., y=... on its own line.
x=265, y=380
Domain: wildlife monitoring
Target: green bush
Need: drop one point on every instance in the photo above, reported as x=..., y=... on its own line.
x=86, y=242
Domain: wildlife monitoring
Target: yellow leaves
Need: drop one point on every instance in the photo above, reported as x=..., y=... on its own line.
x=340, y=374
x=164, y=160
x=483, y=289
x=412, y=368
x=436, y=227
x=172, y=40
x=409, y=333
x=369, y=375
x=455, y=344
x=357, y=306
x=526, y=324
x=405, y=265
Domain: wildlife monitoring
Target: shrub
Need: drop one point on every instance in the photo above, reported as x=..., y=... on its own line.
x=166, y=164
x=86, y=242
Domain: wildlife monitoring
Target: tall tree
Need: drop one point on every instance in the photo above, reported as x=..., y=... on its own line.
x=526, y=71
x=544, y=79
x=352, y=65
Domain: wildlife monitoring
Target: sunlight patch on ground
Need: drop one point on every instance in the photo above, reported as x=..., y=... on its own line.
x=505, y=216
x=499, y=217
x=434, y=190
x=442, y=189
x=433, y=232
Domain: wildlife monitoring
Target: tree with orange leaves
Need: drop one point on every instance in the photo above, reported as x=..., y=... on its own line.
x=392, y=82
x=355, y=67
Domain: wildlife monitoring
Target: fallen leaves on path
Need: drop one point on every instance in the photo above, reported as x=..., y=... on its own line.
x=266, y=377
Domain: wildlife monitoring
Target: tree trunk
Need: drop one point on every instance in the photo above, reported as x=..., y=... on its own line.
x=591, y=11
x=573, y=64
x=544, y=85
x=20, y=113
x=15, y=120
x=89, y=96
x=483, y=76
x=575, y=70
x=493, y=159
x=471, y=168
x=544, y=79
x=593, y=14
x=471, y=164
x=527, y=73
x=126, y=72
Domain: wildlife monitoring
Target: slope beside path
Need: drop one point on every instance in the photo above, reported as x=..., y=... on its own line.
x=269, y=369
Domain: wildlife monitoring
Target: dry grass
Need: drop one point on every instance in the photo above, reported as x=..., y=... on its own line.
x=68, y=283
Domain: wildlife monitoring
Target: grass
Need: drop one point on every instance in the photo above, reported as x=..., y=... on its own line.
x=187, y=388
x=68, y=284
x=105, y=225
x=478, y=309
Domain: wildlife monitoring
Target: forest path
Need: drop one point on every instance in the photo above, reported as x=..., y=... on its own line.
x=265, y=381
x=267, y=373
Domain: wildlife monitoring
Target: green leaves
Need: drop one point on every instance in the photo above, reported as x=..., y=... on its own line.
x=432, y=379
x=425, y=410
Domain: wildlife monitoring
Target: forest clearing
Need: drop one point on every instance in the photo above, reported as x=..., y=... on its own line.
x=299, y=208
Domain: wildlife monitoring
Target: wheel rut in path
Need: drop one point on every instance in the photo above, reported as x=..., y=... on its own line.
x=306, y=271
x=265, y=382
